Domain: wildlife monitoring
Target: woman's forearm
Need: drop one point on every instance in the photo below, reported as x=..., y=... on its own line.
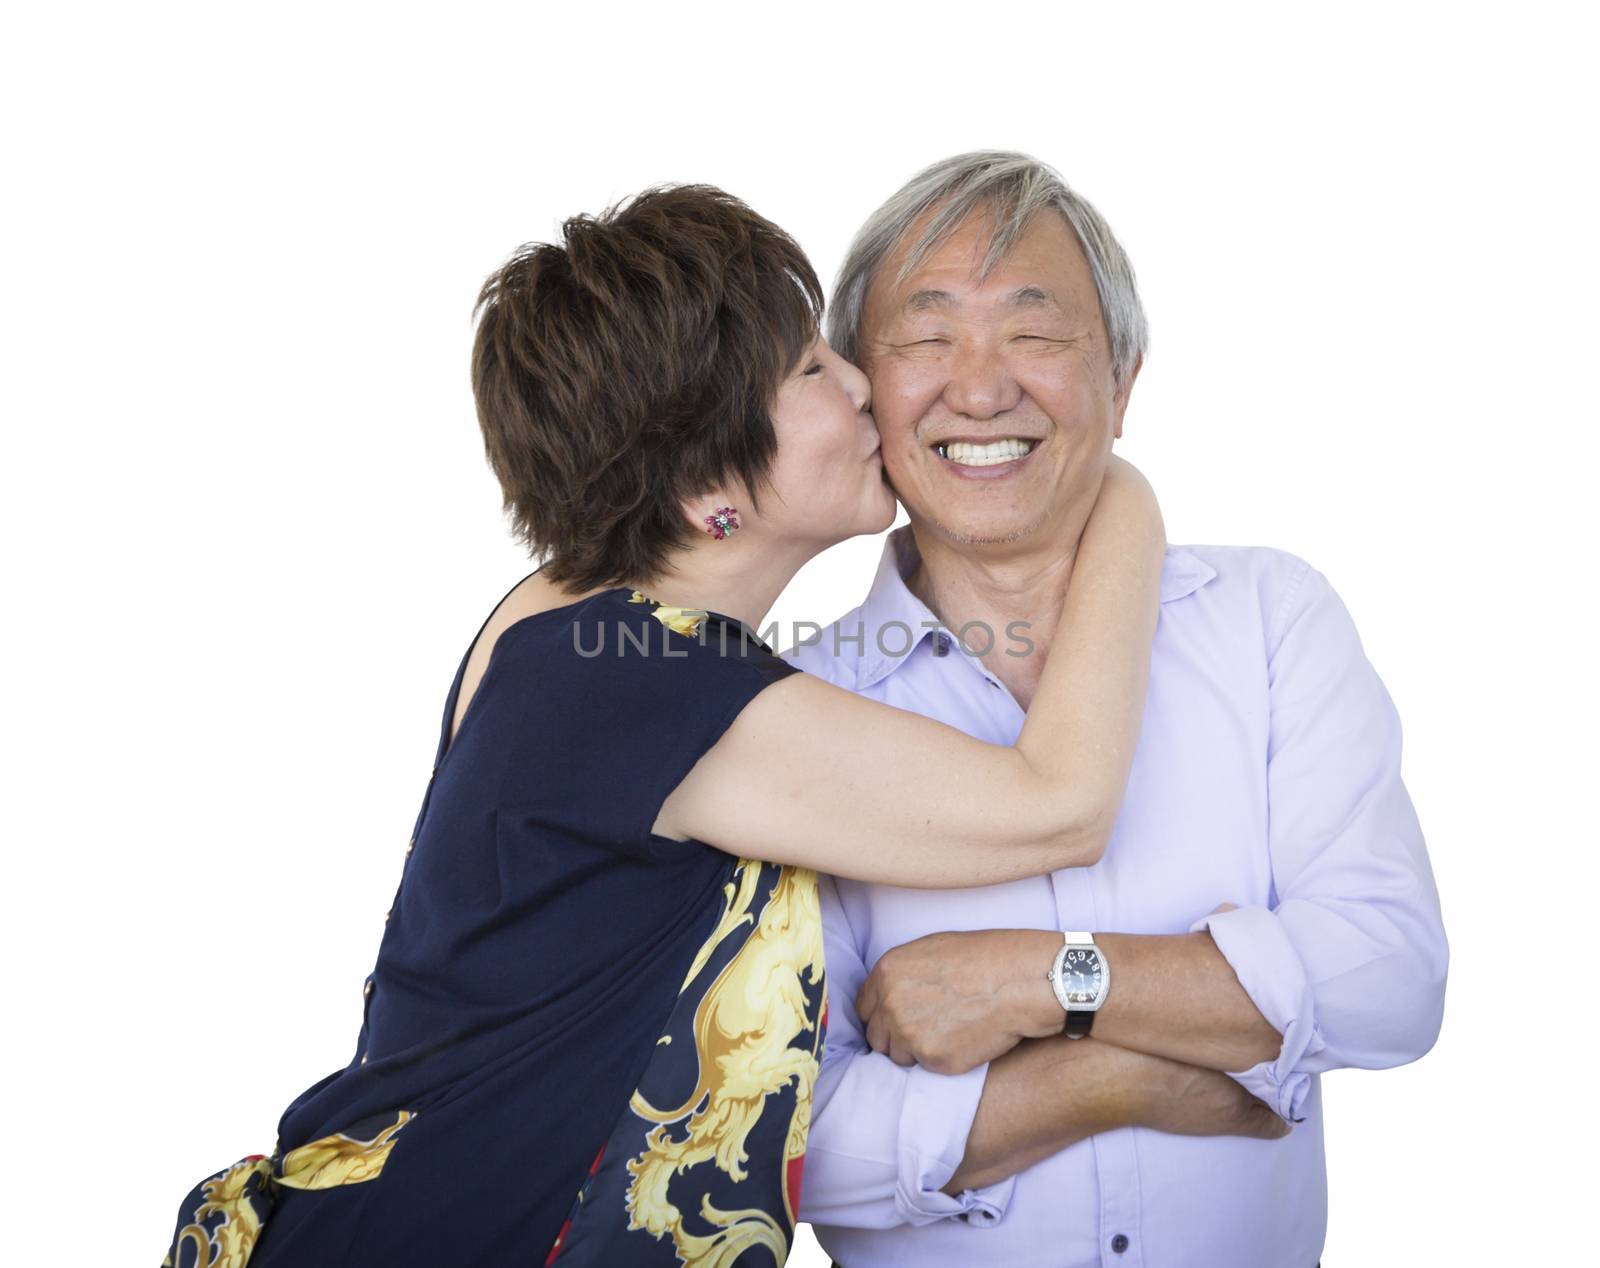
x=811, y=775
x=1083, y=724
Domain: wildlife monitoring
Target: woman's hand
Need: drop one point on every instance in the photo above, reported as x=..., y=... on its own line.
x=951, y=1001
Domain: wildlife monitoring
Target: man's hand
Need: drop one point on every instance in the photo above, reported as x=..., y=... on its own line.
x=1188, y=1101
x=951, y=1001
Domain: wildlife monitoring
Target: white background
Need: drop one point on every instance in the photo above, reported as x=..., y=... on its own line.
x=249, y=530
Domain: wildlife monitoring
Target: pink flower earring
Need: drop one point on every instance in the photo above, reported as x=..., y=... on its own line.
x=723, y=522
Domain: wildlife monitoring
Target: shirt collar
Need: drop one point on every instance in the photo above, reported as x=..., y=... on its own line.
x=890, y=603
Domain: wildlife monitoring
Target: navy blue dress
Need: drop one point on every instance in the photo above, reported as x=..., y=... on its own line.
x=582, y=1043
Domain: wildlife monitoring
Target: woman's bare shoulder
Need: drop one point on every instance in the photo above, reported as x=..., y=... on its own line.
x=531, y=596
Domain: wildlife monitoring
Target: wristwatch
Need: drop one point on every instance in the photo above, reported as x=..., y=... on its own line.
x=1081, y=979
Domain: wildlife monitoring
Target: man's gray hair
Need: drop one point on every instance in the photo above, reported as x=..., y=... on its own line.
x=1012, y=187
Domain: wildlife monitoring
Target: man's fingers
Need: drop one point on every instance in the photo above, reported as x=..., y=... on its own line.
x=867, y=998
x=881, y=1039
x=877, y=1036
x=1264, y=1124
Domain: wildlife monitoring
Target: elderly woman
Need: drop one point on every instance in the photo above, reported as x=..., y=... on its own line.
x=593, y=1025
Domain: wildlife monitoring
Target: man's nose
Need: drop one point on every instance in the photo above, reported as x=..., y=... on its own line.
x=980, y=385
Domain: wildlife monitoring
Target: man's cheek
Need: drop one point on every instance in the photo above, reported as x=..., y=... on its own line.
x=901, y=394
x=897, y=468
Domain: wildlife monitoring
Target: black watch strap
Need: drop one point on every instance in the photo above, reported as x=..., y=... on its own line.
x=1078, y=1023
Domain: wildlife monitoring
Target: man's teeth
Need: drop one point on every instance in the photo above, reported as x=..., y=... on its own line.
x=985, y=455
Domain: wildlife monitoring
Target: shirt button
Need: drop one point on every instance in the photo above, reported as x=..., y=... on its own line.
x=411, y=845
x=363, y=1058
x=1119, y=1243
x=367, y=989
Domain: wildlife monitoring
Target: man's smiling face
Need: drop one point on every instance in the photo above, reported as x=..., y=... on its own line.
x=993, y=394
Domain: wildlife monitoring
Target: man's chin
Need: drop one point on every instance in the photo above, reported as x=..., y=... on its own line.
x=978, y=530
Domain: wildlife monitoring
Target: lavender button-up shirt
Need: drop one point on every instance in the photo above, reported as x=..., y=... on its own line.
x=1267, y=775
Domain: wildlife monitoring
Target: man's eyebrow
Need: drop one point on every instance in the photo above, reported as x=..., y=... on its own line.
x=1023, y=297
x=1029, y=296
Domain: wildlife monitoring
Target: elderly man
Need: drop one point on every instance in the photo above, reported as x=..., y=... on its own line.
x=1116, y=1065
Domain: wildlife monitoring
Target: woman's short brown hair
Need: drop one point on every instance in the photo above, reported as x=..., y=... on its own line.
x=632, y=367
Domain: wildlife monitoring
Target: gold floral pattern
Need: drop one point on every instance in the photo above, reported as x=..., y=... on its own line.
x=236, y=1195
x=340, y=1158
x=745, y=1027
x=243, y=1196
x=679, y=620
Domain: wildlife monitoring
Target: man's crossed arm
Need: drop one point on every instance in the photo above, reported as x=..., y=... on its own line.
x=950, y=1001
x=1176, y=1017
x=1345, y=967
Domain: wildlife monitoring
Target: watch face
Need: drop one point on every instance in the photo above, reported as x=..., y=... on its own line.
x=1081, y=974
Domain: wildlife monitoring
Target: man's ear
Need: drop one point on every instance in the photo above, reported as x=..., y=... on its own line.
x=1120, y=401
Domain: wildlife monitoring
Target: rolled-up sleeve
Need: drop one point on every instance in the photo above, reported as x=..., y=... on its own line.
x=884, y=1139
x=1348, y=961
